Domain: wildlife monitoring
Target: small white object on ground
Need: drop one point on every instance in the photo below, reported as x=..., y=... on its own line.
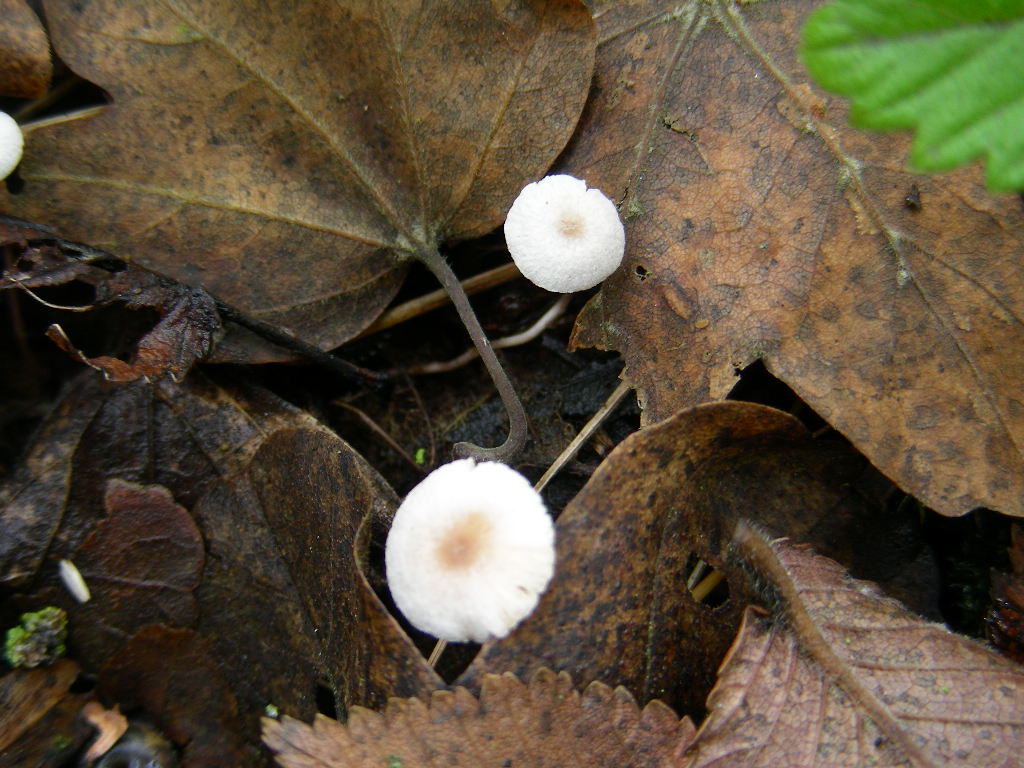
x=73, y=581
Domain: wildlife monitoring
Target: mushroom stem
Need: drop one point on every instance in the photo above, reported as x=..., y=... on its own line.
x=516, y=439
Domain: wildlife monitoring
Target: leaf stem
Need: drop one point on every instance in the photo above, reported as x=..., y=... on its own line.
x=516, y=439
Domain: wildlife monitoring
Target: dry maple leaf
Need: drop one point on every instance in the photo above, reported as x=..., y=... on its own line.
x=289, y=157
x=851, y=678
x=545, y=723
x=761, y=226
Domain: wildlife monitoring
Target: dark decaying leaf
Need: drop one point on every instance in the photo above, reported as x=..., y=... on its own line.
x=288, y=157
x=170, y=675
x=761, y=226
x=142, y=563
x=618, y=608
x=25, y=65
x=1006, y=619
x=181, y=437
x=319, y=499
x=188, y=324
x=848, y=677
x=33, y=496
x=547, y=722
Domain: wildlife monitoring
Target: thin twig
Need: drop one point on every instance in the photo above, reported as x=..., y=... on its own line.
x=439, y=298
x=707, y=585
x=435, y=655
x=588, y=430
x=292, y=344
x=433, y=260
x=515, y=340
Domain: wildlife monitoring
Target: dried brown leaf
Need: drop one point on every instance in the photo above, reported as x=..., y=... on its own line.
x=171, y=676
x=25, y=65
x=143, y=563
x=545, y=723
x=618, y=608
x=288, y=157
x=761, y=226
x=852, y=678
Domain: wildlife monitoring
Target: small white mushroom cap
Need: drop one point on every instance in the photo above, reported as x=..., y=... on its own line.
x=469, y=552
x=11, y=144
x=563, y=236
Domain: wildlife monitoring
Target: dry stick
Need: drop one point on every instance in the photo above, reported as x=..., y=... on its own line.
x=436, y=299
x=433, y=260
x=523, y=337
x=585, y=434
x=709, y=582
x=435, y=655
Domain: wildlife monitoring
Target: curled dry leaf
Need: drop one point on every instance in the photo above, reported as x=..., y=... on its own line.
x=618, y=607
x=761, y=226
x=188, y=323
x=171, y=676
x=547, y=722
x=143, y=563
x=25, y=65
x=320, y=499
x=313, y=145
x=852, y=678
x=110, y=726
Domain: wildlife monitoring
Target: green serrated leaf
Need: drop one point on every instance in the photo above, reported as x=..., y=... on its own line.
x=951, y=69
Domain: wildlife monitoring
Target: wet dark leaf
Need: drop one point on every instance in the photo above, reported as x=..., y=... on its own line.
x=142, y=563
x=171, y=675
x=320, y=499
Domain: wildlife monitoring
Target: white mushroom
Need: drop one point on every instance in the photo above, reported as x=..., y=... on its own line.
x=11, y=144
x=469, y=552
x=563, y=236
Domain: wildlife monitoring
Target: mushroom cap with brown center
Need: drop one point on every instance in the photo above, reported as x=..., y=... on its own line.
x=563, y=236
x=469, y=552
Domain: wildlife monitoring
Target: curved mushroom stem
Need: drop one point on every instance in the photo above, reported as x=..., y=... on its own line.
x=516, y=439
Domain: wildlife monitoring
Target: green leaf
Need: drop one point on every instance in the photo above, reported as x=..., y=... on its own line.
x=952, y=69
